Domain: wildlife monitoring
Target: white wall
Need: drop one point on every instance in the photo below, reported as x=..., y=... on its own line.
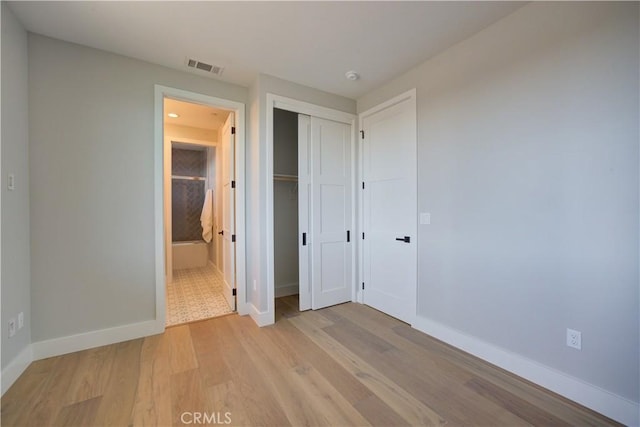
x=191, y=132
x=91, y=121
x=16, y=280
x=528, y=162
x=256, y=180
x=253, y=171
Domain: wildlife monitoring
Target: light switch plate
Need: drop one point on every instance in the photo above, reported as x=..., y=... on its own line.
x=425, y=218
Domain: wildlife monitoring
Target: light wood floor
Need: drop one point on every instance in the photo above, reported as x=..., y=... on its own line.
x=346, y=365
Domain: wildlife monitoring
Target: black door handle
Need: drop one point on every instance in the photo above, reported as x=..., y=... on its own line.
x=405, y=239
x=221, y=232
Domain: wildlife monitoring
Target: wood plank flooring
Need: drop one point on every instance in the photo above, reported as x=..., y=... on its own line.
x=347, y=365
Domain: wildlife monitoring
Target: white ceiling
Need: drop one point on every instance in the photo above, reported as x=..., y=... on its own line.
x=311, y=43
x=194, y=115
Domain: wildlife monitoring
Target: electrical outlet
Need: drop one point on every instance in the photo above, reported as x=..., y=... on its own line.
x=20, y=320
x=574, y=339
x=12, y=327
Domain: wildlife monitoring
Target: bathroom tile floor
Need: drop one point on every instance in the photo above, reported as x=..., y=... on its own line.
x=195, y=294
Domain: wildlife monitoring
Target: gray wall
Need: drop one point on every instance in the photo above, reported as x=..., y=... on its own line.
x=257, y=158
x=528, y=162
x=91, y=152
x=285, y=142
x=15, y=204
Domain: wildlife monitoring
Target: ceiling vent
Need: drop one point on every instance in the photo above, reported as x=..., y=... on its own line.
x=203, y=66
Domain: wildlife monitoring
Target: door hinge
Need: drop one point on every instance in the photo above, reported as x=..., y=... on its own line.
x=362, y=236
x=363, y=286
x=233, y=184
x=362, y=134
x=363, y=185
x=233, y=237
x=348, y=236
x=233, y=130
x=233, y=292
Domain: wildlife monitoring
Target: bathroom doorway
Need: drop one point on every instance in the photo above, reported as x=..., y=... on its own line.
x=199, y=210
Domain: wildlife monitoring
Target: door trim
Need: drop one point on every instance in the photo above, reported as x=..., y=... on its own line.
x=160, y=92
x=410, y=95
x=300, y=107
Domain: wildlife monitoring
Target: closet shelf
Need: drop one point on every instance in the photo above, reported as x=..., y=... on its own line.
x=282, y=177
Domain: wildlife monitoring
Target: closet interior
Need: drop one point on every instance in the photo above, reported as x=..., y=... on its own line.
x=285, y=202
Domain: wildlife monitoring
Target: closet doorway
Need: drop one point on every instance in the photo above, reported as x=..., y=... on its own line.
x=311, y=203
x=285, y=204
x=199, y=211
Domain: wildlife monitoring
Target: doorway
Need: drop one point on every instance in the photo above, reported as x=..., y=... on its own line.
x=200, y=181
x=199, y=209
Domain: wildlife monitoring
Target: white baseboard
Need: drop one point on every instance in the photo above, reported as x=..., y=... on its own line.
x=242, y=308
x=286, y=290
x=15, y=368
x=84, y=341
x=596, y=398
x=262, y=318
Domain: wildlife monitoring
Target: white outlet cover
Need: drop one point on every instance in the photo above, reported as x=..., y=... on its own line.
x=574, y=339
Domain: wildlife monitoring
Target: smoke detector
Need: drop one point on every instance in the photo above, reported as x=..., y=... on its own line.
x=203, y=66
x=352, y=75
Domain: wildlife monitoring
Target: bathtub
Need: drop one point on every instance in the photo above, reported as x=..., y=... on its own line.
x=193, y=254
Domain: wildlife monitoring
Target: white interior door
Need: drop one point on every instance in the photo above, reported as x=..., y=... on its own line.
x=227, y=146
x=390, y=208
x=304, y=211
x=331, y=232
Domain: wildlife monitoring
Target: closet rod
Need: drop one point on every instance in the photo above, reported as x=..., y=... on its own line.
x=190, y=178
x=281, y=177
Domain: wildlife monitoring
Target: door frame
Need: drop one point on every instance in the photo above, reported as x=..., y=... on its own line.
x=410, y=95
x=300, y=107
x=238, y=108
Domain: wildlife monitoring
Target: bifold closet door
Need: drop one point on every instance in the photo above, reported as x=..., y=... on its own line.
x=329, y=240
x=304, y=211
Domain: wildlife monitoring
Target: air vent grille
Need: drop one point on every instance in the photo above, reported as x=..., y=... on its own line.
x=203, y=66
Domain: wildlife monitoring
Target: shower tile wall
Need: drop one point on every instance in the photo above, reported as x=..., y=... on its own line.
x=187, y=162
x=187, y=194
